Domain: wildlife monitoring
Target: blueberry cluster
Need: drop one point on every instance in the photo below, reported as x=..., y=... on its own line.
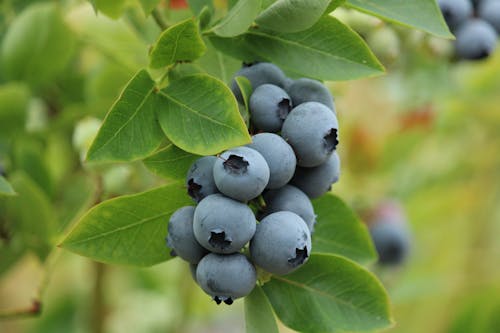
x=476, y=25
x=291, y=159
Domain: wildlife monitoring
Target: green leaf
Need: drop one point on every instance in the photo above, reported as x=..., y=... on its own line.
x=148, y=5
x=14, y=100
x=111, y=8
x=30, y=215
x=128, y=230
x=339, y=231
x=246, y=90
x=238, y=19
x=130, y=130
x=38, y=45
x=170, y=162
x=181, y=42
x=219, y=64
x=5, y=187
x=333, y=51
x=259, y=315
x=333, y=5
x=423, y=14
x=329, y=294
x=199, y=114
x=198, y=5
x=292, y=15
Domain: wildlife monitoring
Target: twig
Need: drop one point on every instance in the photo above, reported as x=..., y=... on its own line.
x=159, y=19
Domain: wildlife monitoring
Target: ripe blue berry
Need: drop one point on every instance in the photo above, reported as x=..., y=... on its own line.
x=290, y=198
x=318, y=180
x=226, y=277
x=311, y=129
x=269, y=107
x=258, y=74
x=489, y=10
x=307, y=90
x=181, y=237
x=223, y=225
x=476, y=39
x=241, y=173
x=200, y=179
x=455, y=12
x=279, y=157
x=282, y=243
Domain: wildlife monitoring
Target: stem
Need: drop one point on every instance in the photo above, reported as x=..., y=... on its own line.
x=98, y=313
x=159, y=19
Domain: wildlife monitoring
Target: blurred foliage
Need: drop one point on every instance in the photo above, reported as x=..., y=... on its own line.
x=427, y=134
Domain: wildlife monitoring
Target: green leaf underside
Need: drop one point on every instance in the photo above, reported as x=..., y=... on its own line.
x=329, y=294
x=128, y=230
x=423, y=14
x=199, y=114
x=292, y=15
x=130, y=131
x=181, y=42
x=238, y=19
x=170, y=162
x=148, y=5
x=259, y=315
x=328, y=50
x=5, y=187
x=339, y=231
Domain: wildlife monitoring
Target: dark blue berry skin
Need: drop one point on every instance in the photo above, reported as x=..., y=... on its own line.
x=223, y=225
x=269, y=107
x=226, y=277
x=475, y=39
x=290, y=198
x=318, y=180
x=241, y=173
x=279, y=157
x=489, y=10
x=181, y=237
x=455, y=12
x=282, y=243
x=392, y=242
x=308, y=90
x=200, y=180
x=311, y=129
x=258, y=74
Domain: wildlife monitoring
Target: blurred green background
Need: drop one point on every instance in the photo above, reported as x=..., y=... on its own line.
x=427, y=134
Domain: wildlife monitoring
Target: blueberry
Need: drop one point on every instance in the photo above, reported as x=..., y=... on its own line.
x=241, y=173
x=290, y=198
x=269, y=106
x=282, y=243
x=311, y=129
x=307, y=90
x=476, y=39
x=181, y=237
x=318, y=180
x=258, y=74
x=279, y=157
x=392, y=242
x=489, y=10
x=455, y=12
x=226, y=277
x=200, y=179
x=223, y=225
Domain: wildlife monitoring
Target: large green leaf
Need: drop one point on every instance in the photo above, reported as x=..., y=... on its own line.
x=238, y=19
x=259, y=316
x=30, y=215
x=329, y=294
x=181, y=42
x=292, y=15
x=5, y=187
x=14, y=100
x=130, y=130
x=421, y=14
x=218, y=64
x=333, y=51
x=148, y=5
x=199, y=114
x=339, y=231
x=128, y=230
x=37, y=46
x=170, y=162
x=111, y=8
